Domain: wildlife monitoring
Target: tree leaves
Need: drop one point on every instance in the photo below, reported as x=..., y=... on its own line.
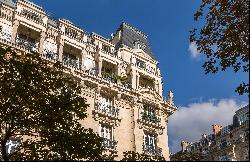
x=42, y=107
x=226, y=27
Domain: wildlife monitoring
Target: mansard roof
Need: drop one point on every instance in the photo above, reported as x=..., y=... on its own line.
x=130, y=35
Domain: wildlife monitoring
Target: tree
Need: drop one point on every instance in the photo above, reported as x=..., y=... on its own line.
x=186, y=156
x=135, y=156
x=224, y=38
x=40, y=109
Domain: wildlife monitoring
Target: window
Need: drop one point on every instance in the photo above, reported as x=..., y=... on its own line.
x=223, y=143
x=243, y=118
x=106, y=48
x=149, y=114
x=106, y=131
x=225, y=130
x=11, y=146
x=106, y=105
x=140, y=64
x=149, y=140
x=71, y=60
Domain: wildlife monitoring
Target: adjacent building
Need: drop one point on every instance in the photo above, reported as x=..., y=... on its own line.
x=120, y=76
x=229, y=143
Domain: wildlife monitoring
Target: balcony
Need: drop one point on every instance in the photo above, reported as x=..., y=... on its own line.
x=26, y=44
x=126, y=84
x=109, y=144
x=152, y=150
x=151, y=118
x=49, y=55
x=71, y=61
x=31, y=16
x=109, y=77
x=107, y=50
x=105, y=109
x=74, y=34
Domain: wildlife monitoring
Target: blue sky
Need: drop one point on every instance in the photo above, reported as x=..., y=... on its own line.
x=167, y=23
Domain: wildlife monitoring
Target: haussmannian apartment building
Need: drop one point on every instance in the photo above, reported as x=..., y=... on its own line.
x=229, y=143
x=130, y=113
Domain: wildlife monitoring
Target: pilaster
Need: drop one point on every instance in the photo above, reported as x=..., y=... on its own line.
x=41, y=43
x=14, y=32
x=60, y=48
x=99, y=66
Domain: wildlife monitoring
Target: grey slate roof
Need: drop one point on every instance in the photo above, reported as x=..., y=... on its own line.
x=9, y=3
x=129, y=35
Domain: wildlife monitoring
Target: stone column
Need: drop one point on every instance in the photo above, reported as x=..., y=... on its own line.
x=133, y=78
x=155, y=85
x=119, y=72
x=83, y=59
x=14, y=32
x=100, y=66
x=41, y=43
x=60, y=49
x=137, y=80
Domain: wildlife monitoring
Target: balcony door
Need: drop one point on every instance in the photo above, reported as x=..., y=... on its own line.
x=106, y=103
x=149, y=141
x=106, y=132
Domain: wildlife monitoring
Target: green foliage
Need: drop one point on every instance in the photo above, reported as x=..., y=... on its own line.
x=115, y=78
x=134, y=156
x=224, y=37
x=186, y=156
x=41, y=106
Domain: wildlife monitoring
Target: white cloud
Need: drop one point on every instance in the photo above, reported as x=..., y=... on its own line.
x=193, y=50
x=188, y=123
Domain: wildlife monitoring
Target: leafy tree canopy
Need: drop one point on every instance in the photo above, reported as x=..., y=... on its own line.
x=186, y=156
x=40, y=109
x=135, y=156
x=224, y=37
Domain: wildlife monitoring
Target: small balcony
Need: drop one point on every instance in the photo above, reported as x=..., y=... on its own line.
x=146, y=83
x=109, y=144
x=49, y=55
x=74, y=34
x=151, y=118
x=71, y=62
x=31, y=16
x=105, y=109
x=28, y=44
x=107, y=50
x=109, y=77
x=152, y=150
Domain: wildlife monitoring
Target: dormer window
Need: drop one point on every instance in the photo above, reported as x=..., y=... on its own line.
x=139, y=45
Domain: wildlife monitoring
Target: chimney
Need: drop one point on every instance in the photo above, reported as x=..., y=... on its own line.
x=216, y=129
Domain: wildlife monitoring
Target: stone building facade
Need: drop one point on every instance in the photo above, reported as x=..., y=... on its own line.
x=120, y=76
x=229, y=143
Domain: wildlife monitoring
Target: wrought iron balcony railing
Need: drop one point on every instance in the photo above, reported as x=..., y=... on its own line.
x=109, y=144
x=107, y=109
x=152, y=118
x=72, y=63
x=50, y=55
x=31, y=16
x=30, y=46
x=109, y=77
x=152, y=150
